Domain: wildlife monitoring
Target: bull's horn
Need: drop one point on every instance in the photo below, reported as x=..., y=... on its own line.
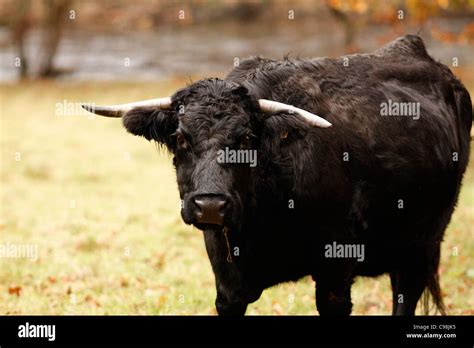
x=120, y=110
x=273, y=106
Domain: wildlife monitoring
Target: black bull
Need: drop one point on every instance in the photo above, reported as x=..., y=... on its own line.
x=373, y=194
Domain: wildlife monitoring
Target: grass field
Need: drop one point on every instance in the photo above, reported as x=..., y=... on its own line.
x=102, y=208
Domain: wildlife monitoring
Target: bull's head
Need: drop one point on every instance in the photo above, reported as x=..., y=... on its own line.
x=201, y=125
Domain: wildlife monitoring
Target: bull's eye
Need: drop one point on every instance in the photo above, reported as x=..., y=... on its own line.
x=180, y=140
x=245, y=142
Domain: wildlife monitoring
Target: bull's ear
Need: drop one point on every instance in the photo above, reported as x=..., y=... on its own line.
x=152, y=124
x=284, y=128
x=240, y=91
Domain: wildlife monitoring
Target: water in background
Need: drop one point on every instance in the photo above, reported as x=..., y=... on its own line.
x=203, y=50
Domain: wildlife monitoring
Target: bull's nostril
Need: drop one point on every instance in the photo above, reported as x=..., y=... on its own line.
x=209, y=208
x=221, y=204
x=205, y=205
x=199, y=203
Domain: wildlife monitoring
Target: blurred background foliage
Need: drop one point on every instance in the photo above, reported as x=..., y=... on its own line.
x=44, y=33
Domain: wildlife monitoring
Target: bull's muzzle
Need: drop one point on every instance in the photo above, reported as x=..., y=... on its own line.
x=210, y=209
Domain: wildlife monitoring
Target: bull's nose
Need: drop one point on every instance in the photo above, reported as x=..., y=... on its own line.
x=210, y=208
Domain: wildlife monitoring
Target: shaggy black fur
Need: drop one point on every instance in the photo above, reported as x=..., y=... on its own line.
x=346, y=182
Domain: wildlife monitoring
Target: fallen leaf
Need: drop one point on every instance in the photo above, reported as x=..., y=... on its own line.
x=15, y=290
x=124, y=282
x=277, y=308
x=161, y=301
x=90, y=299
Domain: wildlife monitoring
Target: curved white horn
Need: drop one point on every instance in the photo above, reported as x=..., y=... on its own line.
x=273, y=106
x=121, y=109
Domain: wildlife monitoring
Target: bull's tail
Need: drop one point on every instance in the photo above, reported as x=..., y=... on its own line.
x=432, y=296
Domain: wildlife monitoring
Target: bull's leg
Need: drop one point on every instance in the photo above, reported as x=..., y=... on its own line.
x=228, y=307
x=413, y=277
x=395, y=298
x=407, y=287
x=333, y=298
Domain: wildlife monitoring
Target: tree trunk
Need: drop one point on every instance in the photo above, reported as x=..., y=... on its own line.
x=56, y=13
x=21, y=24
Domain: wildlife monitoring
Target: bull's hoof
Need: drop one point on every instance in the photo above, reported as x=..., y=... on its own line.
x=232, y=309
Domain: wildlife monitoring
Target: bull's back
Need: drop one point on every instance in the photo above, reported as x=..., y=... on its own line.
x=396, y=107
x=402, y=119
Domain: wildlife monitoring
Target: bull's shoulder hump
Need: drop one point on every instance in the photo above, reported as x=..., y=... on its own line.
x=247, y=67
x=408, y=45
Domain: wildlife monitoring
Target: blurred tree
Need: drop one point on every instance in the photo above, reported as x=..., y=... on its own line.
x=56, y=13
x=414, y=12
x=347, y=23
x=24, y=17
x=20, y=25
x=345, y=11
